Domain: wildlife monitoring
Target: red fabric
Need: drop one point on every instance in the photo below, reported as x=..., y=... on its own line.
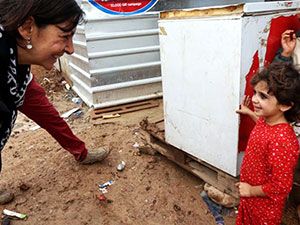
x=277, y=27
x=246, y=123
x=269, y=161
x=37, y=107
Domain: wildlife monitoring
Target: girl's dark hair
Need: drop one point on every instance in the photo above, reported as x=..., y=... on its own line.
x=283, y=81
x=13, y=13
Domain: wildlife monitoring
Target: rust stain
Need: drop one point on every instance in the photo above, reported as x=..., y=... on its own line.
x=162, y=31
x=263, y=42
x=267, y=29
x=288, y=4
x=222, y=11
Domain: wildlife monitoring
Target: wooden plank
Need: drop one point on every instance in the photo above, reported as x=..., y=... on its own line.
x=222, y=181
x=174, y=155
x=125, y=108
x=211, y=175
x=154, y=129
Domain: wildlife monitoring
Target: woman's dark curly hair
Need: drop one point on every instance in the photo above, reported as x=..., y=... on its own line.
x=283, y=81
x=13, y=13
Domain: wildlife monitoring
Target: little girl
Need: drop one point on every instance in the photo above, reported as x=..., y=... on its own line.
x=267, y=170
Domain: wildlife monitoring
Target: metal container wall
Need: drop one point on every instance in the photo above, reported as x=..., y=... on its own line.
x=206, y=55
x=116, y=58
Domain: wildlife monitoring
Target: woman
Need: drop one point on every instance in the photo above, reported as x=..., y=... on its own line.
x=36, y=32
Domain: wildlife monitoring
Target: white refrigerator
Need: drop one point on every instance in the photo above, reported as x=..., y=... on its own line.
x=208, y=57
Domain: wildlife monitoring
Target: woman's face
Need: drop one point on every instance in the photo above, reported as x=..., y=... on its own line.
x=49, y=43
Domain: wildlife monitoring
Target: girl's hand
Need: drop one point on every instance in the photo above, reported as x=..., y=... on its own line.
x=247, y=190
x=288, y=42
x=244, y=107
x=244, y=189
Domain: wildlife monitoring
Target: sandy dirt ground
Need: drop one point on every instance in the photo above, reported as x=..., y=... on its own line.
x=52, y=188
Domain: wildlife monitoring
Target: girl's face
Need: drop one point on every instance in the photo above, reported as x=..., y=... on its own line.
x=266, y=105
x=49, y=43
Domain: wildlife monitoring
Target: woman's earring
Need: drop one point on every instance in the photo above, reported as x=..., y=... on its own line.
x=29, y=45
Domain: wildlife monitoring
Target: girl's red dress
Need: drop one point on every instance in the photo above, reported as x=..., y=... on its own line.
x=270, y=159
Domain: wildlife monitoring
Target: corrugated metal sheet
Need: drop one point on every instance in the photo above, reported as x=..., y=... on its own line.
x=116, y=58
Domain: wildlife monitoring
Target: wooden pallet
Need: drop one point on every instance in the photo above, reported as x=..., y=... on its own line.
x=215, y=177
x=110, y=112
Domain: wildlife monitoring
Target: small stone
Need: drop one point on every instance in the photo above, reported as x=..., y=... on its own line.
x=21, y=200
x=152, y=160
x=6, y=197
x=121, y=166
x=176, y=207
x=150, y=167
x=39, y=189
x=65, y=207
x=24, y=187
x=16, y=154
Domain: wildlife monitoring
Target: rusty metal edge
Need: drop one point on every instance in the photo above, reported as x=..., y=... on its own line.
x=203, y=12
